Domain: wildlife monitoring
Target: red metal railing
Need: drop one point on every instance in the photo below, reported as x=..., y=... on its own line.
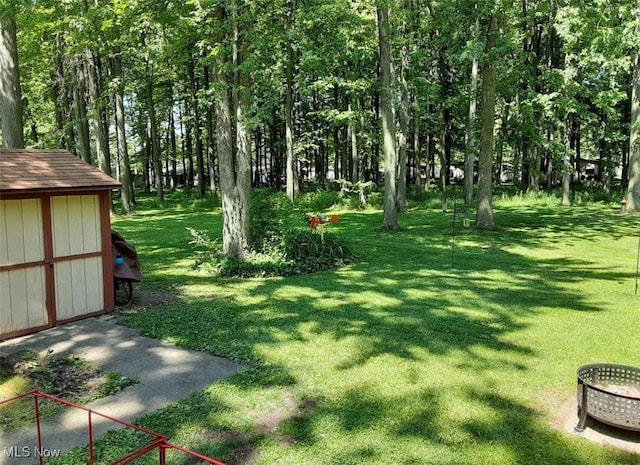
x=156, y=441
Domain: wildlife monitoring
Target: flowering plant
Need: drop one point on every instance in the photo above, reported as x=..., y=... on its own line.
x=318, y=222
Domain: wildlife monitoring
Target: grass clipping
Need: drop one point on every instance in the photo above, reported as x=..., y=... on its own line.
x=70, y=378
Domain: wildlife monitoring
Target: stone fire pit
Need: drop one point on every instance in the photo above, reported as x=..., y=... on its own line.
x=609, y=393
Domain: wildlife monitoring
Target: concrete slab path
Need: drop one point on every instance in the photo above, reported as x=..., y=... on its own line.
x=166, y=374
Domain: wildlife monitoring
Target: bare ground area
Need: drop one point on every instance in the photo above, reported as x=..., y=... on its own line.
x=68, y=377
x=148, y=299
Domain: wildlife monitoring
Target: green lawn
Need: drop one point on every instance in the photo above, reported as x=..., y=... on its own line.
x=411, y=355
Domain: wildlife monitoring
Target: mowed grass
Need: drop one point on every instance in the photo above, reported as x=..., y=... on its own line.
x=416, y=353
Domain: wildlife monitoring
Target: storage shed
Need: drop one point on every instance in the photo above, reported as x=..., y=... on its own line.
x=56, y=262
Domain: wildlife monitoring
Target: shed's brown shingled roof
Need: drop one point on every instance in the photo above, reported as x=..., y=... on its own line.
x=44, y=170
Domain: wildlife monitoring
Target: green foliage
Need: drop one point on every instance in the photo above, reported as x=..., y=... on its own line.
x=281, y=243
x=558, y=61
x=113, y=383
x=356, y=194
x=319, y=200
x=289, y=252
x=205, y=249
x=270, y=213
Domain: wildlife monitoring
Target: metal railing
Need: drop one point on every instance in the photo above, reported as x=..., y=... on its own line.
x=157, y=442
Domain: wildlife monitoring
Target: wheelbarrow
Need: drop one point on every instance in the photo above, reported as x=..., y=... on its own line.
x=126, y=268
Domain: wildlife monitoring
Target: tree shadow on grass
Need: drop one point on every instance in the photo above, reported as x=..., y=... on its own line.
x=404, y=301
x=377, y=429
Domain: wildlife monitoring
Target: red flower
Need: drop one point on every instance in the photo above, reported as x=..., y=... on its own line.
x=319, y=220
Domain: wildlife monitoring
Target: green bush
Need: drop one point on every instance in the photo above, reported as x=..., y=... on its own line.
x=319, y=200
x=291, y=252
x=279, y=244
x=268, y=216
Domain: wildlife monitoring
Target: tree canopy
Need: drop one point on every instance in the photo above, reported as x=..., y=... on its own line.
x=311, y=82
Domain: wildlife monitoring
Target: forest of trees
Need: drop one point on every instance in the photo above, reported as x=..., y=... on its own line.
x=217, y=96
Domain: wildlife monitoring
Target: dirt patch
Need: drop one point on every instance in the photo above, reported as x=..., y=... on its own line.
x=148, y=299
x=68, y=377
x=241, y=446
x=290, y=409
x=272, y=424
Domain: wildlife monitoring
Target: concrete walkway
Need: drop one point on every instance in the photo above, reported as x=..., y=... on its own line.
x=166, y=374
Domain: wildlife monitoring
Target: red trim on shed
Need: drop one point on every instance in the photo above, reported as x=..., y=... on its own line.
x=45, y=174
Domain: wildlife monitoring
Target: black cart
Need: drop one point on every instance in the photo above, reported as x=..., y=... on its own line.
x=126, y=269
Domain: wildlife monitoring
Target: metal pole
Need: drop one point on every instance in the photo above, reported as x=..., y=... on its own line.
x=162, y=450
x=638, y=262
x=35, y=398
x=91, y=457
x=453, y=228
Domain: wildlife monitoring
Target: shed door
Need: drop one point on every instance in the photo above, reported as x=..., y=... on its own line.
x=23, y=299
x=77, y=255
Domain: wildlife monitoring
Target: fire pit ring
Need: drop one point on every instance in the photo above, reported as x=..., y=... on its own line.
x=609, y=393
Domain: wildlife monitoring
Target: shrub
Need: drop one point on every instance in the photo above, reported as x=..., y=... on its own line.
x=292, y=252
x=355, y=195
x=266, y=219
x=279, y=246
x=319, y=200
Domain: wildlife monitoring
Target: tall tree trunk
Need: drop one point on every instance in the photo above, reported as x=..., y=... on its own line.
x=444, y=72
x=548, y=160
x=336, y=137
x=535, y=160
x=211, y=151
x=374, y=168
x=566, y=162
x=575, y=145
x=292, y=162
x=235, y=161
x=197, y=131
x=102, y=136
x=154, y=141
x=353, y=137
x=58, y=96
x=10, y=90
x=403, y=117
x=61, y=97
x=126, y=193
x=417, y=151
x=274, y=155
x=633, y=191
x=187, y=165
x=80, y=108
x=147, y=161
x=173, y=149
x=484, y=216
x=497, y=166
x=242, y=188
x=470, y=139
x=388, y=126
